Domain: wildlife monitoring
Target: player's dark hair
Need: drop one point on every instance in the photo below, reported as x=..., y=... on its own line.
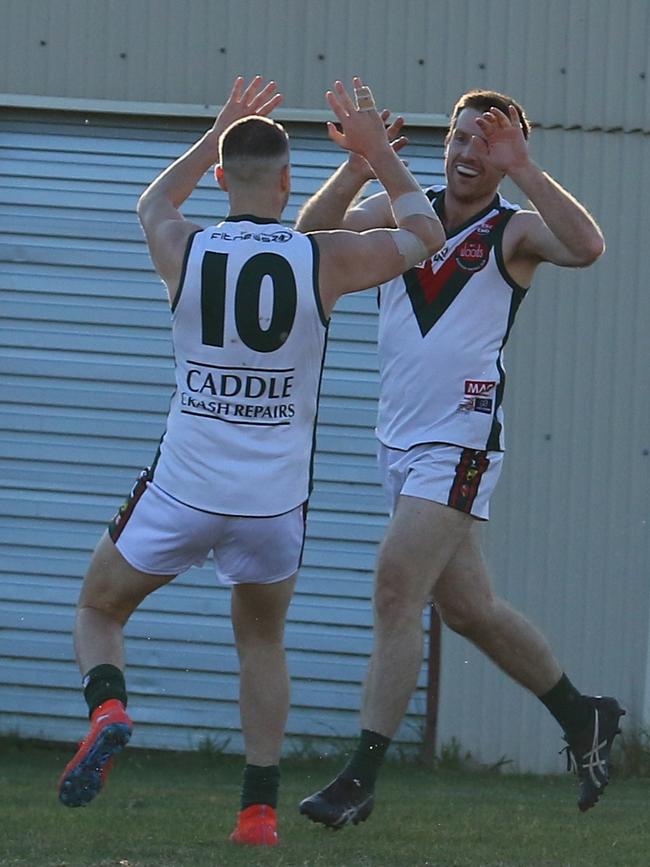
x=253, y=138
x=483, y=100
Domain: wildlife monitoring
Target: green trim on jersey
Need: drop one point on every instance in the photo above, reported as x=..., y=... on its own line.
x=501, y=265
x=313, y=439
x=315, y=249
x=518, y=293
x=186, y=257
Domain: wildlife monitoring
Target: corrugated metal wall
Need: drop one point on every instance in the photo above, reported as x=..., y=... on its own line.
x=569, y=540
x=86, y=381
x=572, y=62
x=83, y=318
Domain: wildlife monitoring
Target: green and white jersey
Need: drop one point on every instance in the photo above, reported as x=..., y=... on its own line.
x=249, y=341
x=442, y=329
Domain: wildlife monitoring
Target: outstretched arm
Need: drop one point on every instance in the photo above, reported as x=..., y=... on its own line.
x=561, y=230
x=351, y=261
x=165, y=228
x=332, y=206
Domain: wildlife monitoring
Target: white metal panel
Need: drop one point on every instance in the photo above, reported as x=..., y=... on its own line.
x=568, y=542
x=86, y=380
x=572, y=63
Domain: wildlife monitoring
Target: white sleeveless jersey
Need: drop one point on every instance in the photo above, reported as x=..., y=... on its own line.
x=249, y=341
x=442, y=329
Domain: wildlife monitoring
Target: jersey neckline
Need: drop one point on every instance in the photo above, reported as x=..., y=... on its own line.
x=439, y=208
x=250, y=218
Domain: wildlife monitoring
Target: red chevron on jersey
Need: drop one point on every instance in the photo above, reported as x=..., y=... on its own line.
x=431, y=292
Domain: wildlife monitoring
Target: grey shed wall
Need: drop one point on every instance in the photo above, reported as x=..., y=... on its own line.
x=568, y=542
x=87, y=377
x=573, y=63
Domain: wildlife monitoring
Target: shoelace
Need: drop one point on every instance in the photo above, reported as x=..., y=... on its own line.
x=590, y=760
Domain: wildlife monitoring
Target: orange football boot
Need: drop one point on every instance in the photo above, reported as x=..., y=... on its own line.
x=86, y=772
x=256, y=826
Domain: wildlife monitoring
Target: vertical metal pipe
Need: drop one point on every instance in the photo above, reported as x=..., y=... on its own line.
x=433, y=686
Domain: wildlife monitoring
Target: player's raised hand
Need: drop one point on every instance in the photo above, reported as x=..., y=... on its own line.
x=393, y=131
x=359, y=164
x=256, y=98
x=503, y=143
x=362, y=127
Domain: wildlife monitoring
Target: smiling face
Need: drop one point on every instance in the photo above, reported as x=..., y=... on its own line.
x=470, y=177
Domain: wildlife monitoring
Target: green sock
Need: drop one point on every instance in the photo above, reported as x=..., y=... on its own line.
x=568, y=706
x=102, y=683
x=260, y=785
x=367, y=759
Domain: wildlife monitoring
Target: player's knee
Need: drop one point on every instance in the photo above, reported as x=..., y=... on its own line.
x=110, y=609
x=113, y=600
x=260, y=633
x=255, y=647
x=465, y=616
x=397, y=600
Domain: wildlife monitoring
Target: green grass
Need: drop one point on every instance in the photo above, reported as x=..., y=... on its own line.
x=176, y=810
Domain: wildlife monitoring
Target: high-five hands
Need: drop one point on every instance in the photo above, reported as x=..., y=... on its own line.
x=360, y=121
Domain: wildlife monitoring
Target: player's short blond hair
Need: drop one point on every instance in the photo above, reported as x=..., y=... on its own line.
x=253, y=138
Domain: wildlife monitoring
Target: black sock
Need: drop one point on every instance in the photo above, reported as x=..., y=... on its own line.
x=102, y=683
x=367, y=759
x=569, y=707
x=260, y=785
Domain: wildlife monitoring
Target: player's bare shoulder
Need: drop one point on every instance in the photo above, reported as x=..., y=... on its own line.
x=520, y=254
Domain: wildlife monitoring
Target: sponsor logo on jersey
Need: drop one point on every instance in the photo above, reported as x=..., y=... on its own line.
x=479, y=386
x=483, y=404
x=226, y=411
x=279, y=237
x=440, y=256
x=474, y=401
x=472, y=255
x=259, y=396
x=254, y=386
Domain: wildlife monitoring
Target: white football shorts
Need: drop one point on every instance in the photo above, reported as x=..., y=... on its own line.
x=156, y=533
x=452, y=475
